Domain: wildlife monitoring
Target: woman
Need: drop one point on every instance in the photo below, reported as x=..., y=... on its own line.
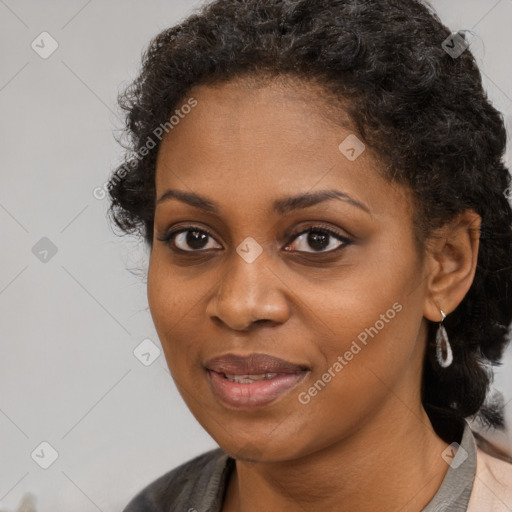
x=321, y=187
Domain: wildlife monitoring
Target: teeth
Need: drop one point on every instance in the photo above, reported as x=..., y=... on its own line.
x=249, y=379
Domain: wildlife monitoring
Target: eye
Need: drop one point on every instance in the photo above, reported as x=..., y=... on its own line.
x=320, y=239
x=189, y=236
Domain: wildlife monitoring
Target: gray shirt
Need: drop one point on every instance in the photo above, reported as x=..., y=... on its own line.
x=199, y=484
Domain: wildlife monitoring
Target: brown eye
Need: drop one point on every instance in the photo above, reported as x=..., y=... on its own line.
x=320, y=239
x=189, y=239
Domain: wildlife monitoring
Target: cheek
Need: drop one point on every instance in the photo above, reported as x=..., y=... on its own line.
x=171, y=305
x=161, y=298
x=364, y=362
x=177, y=306
x=369, y=338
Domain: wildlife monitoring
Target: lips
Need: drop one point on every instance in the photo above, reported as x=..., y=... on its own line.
x=253, y=364
x=253, y=380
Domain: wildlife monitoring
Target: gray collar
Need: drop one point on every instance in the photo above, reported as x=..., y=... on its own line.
x=455, y=490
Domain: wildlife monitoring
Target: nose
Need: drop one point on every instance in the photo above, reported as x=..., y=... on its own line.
x=249, y=293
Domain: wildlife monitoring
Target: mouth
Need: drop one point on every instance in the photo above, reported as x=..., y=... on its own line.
x=252, y=381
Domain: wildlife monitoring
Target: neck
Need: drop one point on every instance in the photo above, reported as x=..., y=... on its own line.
x=383, y=465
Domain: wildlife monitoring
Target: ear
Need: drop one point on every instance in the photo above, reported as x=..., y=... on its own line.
x=451, y=254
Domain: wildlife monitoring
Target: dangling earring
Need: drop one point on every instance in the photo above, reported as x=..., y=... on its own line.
x=444, y=352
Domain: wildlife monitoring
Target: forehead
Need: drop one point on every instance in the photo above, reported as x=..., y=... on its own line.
x=246, y=141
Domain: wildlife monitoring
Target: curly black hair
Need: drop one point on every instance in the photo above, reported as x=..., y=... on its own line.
x=422, y=109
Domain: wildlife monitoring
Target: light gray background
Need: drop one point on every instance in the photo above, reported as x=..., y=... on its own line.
x=69, y=326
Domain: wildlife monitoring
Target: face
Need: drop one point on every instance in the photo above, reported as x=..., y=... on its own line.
x=286, y=324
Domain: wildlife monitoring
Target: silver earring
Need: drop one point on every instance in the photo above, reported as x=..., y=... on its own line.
x=444, y=352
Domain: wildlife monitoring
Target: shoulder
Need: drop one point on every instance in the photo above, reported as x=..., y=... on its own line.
x=185, y=487
x=492, y=487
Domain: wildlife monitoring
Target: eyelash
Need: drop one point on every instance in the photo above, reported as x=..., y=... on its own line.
x=168, y=238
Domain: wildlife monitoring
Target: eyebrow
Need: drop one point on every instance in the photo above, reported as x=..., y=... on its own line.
x=280, y=206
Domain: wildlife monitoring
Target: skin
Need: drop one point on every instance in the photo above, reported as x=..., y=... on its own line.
x=364, y=440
